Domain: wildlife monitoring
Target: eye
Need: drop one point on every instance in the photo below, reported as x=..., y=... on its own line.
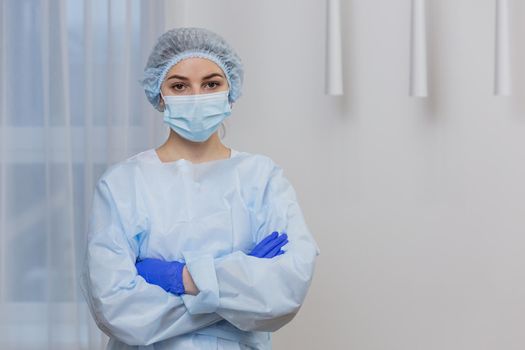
x=212, y=84
x=178, y=87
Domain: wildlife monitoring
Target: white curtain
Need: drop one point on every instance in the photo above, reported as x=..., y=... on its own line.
x=70, y=105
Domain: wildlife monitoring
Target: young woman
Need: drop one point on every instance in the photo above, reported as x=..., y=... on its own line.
x=194, y=245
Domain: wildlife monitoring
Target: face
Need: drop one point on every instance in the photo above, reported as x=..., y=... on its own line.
x=193, y=76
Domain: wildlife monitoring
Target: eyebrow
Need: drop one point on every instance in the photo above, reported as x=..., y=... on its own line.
x=175, y=76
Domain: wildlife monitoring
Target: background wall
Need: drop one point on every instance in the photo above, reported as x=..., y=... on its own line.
x=417, y=204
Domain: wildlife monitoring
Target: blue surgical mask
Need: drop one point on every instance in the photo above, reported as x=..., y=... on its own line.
x=196, y=117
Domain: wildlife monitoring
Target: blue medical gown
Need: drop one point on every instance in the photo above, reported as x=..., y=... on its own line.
x=209, y=215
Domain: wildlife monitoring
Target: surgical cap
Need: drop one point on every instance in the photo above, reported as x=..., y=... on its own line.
x=180, y=43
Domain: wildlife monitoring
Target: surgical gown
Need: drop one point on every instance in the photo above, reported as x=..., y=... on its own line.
x=208, y=215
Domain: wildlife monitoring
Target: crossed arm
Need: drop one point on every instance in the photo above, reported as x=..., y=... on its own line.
x=249, y=292
x=174, y=277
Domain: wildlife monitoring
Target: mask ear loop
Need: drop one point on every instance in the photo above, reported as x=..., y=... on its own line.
x=231, y=103
x=163, y=99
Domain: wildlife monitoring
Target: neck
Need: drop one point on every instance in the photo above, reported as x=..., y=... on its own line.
x=177, y=147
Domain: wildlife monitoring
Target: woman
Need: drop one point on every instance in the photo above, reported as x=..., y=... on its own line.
x=194, y=245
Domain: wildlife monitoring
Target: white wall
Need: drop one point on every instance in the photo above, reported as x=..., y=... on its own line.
x=418, y=205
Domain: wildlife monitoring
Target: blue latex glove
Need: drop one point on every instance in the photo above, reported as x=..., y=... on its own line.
x=165, y=274
x=168, y=274
x=270, y=246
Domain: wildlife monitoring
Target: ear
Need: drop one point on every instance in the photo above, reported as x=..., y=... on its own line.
x=161, y=102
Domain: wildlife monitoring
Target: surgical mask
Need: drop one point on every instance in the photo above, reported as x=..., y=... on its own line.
x=196, y=117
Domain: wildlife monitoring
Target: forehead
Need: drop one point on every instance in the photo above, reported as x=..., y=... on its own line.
x=195, y=66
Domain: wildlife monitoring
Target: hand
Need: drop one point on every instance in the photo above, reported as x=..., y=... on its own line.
x=165, y=274
x=270, y=246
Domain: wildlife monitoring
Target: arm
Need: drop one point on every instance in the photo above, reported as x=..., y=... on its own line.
x=123, y=305
x=189, y=284
x=162, y=273
x=252, y=293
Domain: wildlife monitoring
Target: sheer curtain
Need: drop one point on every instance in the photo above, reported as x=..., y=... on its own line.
x=70, y=105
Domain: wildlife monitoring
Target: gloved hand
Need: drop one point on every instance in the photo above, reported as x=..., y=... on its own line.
x=165, y=274
x=270, y=246
x=168, y=274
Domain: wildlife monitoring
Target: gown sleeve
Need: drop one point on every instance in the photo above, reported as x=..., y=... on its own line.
x=122, y=303
x=257, y=294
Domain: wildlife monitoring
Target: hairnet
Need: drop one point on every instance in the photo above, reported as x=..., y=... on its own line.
x=180, y=43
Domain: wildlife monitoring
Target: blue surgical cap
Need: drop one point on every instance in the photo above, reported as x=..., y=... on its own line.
x=180, y=43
